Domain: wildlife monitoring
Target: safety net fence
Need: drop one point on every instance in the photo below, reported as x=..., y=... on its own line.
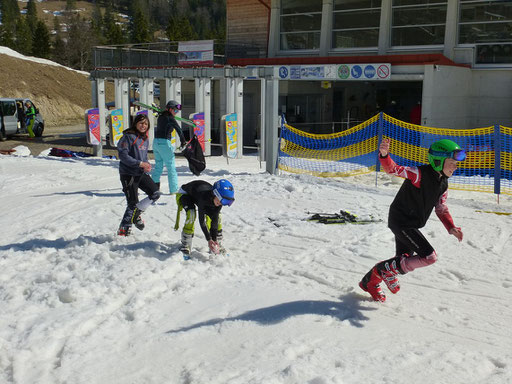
x=487, y=167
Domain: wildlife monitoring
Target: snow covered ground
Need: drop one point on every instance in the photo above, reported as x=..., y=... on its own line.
x=80, y=305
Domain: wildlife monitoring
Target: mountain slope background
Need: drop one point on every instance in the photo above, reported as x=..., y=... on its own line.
x=62, y=95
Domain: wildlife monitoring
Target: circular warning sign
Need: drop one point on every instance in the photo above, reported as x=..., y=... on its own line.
x=343, y=71
x=383, y=71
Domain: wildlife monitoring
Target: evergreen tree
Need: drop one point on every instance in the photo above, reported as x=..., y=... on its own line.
x=97, y=23
x=180, y=30
x=139, y=28
x=58, y=51
x=23, y=42
x=41, y=42
x=32, y=15
x=10, y=15
x=114, y=34
x=70, y=5
x=10, y=11
x=7, y=36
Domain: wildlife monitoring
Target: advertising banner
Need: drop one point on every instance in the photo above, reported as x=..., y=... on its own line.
x=116, y=121
x=93, y=126
x=195, y=52
x=198, y=119
x=231, y=135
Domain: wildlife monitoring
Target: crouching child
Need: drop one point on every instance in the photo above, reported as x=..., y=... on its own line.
x=209, y=200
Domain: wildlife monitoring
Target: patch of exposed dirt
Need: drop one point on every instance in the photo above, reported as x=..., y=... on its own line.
x=62, y=95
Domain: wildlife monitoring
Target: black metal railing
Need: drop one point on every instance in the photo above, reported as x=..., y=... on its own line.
x=165, y=54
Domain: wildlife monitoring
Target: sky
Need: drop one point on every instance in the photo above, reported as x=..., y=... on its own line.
x=81, y=305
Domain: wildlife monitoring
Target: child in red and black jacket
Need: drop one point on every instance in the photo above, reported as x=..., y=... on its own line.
x=425, y=188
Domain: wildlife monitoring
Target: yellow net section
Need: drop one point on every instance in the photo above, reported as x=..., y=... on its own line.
x=487, y=168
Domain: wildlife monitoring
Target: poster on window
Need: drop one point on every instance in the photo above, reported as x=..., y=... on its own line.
x=195, y=52
x=93, y=126
x=231, y=135
x=198, y=119
x=116, y=123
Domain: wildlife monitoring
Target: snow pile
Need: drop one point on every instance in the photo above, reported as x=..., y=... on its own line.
x=80, y=305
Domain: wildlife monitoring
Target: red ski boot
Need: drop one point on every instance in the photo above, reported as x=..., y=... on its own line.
x=389, y=272
x=370, y=284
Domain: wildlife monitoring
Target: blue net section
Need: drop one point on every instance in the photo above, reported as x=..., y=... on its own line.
x=487, y=168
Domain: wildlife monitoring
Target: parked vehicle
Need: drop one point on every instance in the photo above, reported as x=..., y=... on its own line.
x=13, y=118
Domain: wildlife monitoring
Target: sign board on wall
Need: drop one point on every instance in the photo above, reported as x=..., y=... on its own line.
x=366, y=72
x=195, y=52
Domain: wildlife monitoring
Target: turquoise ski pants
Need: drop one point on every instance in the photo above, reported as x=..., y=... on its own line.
x=164, y=155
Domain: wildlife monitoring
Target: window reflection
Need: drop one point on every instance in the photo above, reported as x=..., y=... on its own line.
x=485, y=21
x=300, y=24
x=418, y=23
x=356, y=23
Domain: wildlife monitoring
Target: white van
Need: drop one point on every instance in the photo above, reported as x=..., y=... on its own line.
x=13, y=118
x=8, y=118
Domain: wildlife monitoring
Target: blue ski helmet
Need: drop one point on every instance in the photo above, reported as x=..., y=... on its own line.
x=224, y=191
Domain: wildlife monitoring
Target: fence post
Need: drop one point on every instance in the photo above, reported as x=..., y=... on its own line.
x=380, y=132
x=497, y=159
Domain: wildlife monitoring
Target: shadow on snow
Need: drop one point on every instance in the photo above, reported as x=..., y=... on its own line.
x=348, y=308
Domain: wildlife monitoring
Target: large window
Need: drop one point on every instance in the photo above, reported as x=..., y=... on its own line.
x=356, y=23
x=485, y=21
x=418, y=22
x=300, y=24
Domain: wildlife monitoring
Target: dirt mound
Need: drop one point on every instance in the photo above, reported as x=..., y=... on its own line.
x=62, y=95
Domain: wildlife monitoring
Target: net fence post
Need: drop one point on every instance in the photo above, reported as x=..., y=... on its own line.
x=380, y=132
x=497, y=159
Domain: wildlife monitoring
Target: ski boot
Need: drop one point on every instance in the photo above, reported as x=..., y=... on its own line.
x=124, y=231
x=186, y=245
x=137, y=219
x=185, y=251
x=371, y=284
x=389, y=271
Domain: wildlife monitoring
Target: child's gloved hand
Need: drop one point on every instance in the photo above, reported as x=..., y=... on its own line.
x=214, y=247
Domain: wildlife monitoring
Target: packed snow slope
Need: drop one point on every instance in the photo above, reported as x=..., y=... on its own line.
x=80, y=305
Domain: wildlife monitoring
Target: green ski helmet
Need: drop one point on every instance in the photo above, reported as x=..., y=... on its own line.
x=442, y=150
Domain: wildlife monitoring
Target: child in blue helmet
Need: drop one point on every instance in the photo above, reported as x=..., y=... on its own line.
x=209, y=200
x=424, y=189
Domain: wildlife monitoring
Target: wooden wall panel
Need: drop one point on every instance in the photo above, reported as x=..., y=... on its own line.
x=247, y=22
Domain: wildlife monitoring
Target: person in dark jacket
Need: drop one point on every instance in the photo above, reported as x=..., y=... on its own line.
x=424, y=189
x=162, y=147
x=134, y=171
x=209, y=200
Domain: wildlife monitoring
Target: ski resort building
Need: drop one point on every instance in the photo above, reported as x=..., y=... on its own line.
x=328, y=65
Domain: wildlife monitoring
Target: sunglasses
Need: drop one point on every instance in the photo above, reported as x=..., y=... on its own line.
x=458, y=154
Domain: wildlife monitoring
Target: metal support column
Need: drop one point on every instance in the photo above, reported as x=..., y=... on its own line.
x=207, y=108
x=239, y=110
x=122, y=100
x=271, y=123
x=100, y=87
